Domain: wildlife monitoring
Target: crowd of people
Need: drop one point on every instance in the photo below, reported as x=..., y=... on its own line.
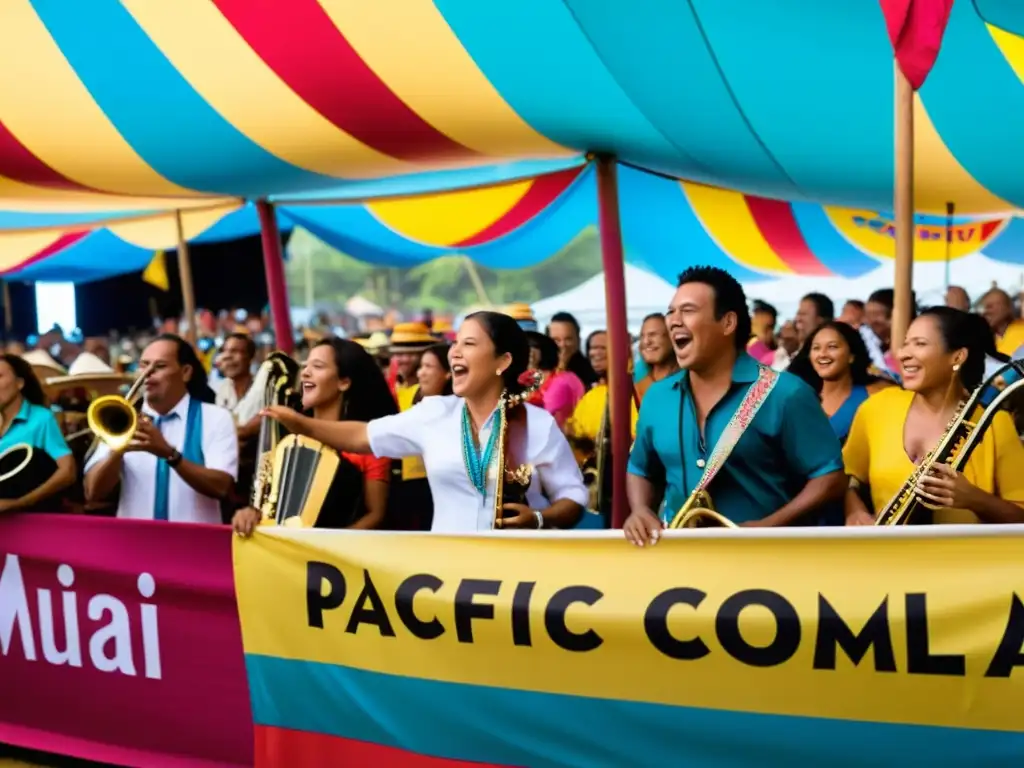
x=843, y=416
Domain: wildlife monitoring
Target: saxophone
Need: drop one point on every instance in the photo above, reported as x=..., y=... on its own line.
x=512, y=483
x=958, y=441
x=281, y=373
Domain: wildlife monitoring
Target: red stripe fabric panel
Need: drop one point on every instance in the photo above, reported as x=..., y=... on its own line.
x=365, y=108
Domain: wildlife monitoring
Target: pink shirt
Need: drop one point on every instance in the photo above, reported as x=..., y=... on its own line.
x=760, y=352
x=561, y=394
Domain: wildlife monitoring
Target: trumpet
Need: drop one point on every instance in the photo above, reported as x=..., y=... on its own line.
x=113, y=418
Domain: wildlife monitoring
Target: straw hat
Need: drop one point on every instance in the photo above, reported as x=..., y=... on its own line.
x=522, y=313
x=87, y=364
x=376, y=343
x=42, y=359
x=411, y=337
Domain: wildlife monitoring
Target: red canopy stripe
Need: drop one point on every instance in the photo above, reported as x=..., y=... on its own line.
x=544, y=191
x=778, y=226
x=58, y=245
x=365, y=108
x=17, y=162
x=915, y=29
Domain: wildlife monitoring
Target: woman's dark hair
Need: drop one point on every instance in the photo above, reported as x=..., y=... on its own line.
x=565, y=317
x=602, y=331
x=198, y=385
x=966, y=330
x=440, y=352
x=729, y=297
x=858, y=350
x=548, y=350
x=368, y=396
x=507, y=337
x=31, y=389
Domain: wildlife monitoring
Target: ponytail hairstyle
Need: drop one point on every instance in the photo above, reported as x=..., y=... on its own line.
x=970, y=332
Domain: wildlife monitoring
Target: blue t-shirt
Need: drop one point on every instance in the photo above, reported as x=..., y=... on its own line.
x=37, y=426
x=789, y=442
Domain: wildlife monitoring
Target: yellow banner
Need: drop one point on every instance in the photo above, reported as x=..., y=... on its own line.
x=917, y=626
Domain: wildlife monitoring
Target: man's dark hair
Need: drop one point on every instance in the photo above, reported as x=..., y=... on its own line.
x=855, y=303
x=766, y=308
x=823, y=306
x=197, y=386
x=245, y=338
x=729, y=297
x=887, y=298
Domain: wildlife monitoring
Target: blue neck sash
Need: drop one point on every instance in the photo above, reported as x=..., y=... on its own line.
x=193, y=451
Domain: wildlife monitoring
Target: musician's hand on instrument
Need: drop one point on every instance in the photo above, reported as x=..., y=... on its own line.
x=642, y=527
x=524, y=517
x=946, y=487
x=151, y=440
x=860, y=517
x=292, y=420
x=245, y=521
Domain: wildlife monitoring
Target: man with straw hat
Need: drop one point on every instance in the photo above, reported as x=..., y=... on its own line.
x=408, y=341
x=522, y=313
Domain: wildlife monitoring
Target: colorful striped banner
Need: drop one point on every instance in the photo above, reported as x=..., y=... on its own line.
x=865, y=648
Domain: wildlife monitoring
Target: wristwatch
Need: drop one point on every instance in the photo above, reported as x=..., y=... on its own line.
x=540, y=518
x=174, y=459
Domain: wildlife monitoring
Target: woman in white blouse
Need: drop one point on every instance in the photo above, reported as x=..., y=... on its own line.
x=453, y=432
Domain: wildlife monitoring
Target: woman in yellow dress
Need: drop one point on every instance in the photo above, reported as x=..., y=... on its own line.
x=942, y=360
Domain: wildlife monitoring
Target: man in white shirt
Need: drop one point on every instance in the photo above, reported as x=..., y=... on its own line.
x=183, y=459
x=237, y=392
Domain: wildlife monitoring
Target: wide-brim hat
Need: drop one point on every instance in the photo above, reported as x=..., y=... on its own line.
x=411, y=337
x=87, y=364
x=376, y=343
x=520, y=311
x=40, y=358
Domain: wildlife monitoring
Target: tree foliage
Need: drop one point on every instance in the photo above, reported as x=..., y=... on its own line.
x=444, y=284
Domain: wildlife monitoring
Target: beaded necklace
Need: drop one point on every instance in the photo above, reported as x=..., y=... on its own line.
x=477, y=463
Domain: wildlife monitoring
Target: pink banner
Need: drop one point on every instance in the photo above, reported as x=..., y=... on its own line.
x=120, y=642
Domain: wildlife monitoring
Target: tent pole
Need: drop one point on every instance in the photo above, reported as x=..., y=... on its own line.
x=273, y=265
x=903, y=205
x=620, y=388
x=188, y=296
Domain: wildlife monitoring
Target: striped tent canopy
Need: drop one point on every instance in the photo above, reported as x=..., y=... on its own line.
x=667, y=224
x=136, y=105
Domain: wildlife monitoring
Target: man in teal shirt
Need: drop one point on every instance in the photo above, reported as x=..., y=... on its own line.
x=787, y=463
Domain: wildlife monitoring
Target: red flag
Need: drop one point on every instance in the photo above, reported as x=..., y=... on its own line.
x=915, y=29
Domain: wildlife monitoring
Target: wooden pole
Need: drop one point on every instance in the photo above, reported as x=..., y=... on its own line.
x=8, y=312
x=188, y=295
x=903, y=205
x=277, y=288
x=620, y=386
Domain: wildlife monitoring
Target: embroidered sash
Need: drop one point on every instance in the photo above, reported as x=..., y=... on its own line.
x=741, y=419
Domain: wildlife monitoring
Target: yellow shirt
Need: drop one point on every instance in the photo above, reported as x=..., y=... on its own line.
x=586, y=418
x=1013, y=339
x=412, y=466
x=874, y=454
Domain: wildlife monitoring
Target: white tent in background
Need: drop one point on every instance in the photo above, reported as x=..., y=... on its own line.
x=359, y=307
x=974, y=273
x=645, y=293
